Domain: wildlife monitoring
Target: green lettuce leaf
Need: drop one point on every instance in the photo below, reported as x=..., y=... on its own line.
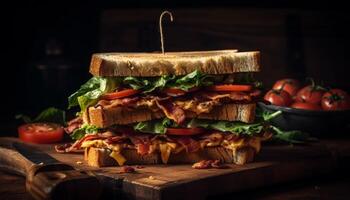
x=160, y=126
x=194, y=79
x=51, y=114
x=83, y=130
x=147, y=85
x=136, y=83
x=90, y=85
x=154, y=127
x=89, y=93
x=294, y=136
x=226, y=126
x=159, y=83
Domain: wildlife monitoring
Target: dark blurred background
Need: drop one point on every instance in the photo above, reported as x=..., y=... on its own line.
x=47, y=48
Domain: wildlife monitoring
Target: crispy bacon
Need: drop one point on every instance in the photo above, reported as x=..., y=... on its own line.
x=172, y=111
x=231, y=137
x=115, y=139
x=78, y=143
x=73, y=124
x=204, y=164
x=65, y=148
x=127, y=101
x=212, y=137
x=141, y=141
x=61, y=148
x=234, y=96
x=207, y=164
x=200, y=101
x=127, y=169
x=143, y=148
x=188, y=143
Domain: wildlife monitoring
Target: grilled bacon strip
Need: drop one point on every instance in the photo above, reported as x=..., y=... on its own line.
x=201, y=101
x=172, y=111
x=73, y=124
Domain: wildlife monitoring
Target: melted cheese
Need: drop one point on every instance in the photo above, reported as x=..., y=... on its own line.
x=94, y=143
x=197, y=107
x=234, y=145
x=117, y=156
x=165, y=150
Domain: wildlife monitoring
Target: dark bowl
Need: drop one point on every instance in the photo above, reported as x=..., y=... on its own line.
x=317, y=123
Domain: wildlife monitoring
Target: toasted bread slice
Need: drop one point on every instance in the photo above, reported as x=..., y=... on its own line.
x=99, y=157
x=174, y=63
x=108, y=116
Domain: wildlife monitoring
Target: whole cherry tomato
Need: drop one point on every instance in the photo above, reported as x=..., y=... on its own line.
x=335, y=99
x=310, y=94
x=278, y=97
x=289, y=85
x=306, y=106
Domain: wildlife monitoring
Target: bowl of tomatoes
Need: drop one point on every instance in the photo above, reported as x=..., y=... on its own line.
x=310, y=108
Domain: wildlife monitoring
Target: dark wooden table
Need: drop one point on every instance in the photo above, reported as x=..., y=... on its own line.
x=332, y=186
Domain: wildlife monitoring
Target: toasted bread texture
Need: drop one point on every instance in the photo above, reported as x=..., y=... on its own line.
x=107, y=116
x=174, y=63
x=99, y=157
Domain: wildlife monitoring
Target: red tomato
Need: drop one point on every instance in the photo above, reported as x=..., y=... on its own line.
x=174, y=91
x=41, y=133
x=310, y=94
x=335, y=99
x=278, y=97
x=120, y=94
x=306, y=106
x=230, y=88
x=178, y=92
x=184, y=131
x=289, y=85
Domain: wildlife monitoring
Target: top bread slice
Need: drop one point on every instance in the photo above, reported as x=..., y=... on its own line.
x=174, y=63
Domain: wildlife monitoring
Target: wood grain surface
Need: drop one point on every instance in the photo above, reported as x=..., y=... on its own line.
x=275, y=164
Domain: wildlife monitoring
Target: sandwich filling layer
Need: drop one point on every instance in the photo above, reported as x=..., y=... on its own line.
x=166, y=114
x=171, y=96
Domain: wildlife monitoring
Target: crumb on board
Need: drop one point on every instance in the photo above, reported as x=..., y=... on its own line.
x=127, y=169
x=79, y=162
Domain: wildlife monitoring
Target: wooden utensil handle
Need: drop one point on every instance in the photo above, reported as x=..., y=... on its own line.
x=13, y=161
x=60, y=181
x=52, y=181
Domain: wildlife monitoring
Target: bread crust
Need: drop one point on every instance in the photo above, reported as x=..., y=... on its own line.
x=107, y=116
x=174, y=63
x=99, y=157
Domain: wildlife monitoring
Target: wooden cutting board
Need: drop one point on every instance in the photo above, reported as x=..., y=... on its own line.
x=274, y=164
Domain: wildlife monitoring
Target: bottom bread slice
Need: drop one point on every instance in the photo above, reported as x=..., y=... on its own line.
x=99, y=157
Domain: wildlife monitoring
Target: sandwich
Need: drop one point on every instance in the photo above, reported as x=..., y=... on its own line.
x=178, y=107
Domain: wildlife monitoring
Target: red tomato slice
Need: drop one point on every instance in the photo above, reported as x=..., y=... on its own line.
x=178, y=92
x=174, y=91
x=41, y=133
x=230, y=88
x=120, y=94
x=184, y=131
